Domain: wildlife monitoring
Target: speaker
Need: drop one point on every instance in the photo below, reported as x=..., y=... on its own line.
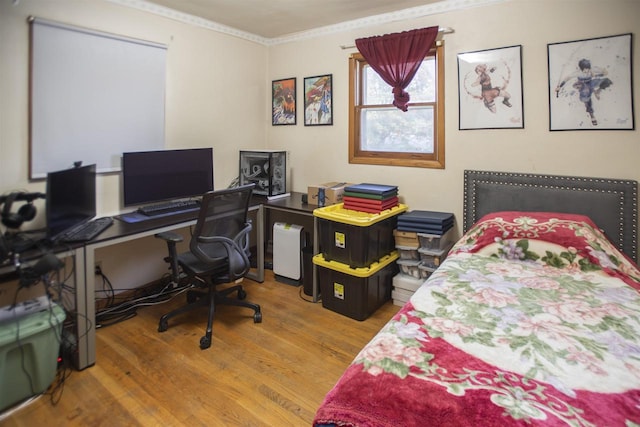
x=27, y=212
x=5, y=251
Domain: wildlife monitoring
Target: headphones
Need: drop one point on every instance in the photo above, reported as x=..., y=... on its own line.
x=27, y=212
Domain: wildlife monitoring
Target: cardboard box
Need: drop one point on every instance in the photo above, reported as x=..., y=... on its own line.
x=333, y=192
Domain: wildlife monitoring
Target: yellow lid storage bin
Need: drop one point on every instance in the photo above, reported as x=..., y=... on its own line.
x=355, y=292
x=356, y=238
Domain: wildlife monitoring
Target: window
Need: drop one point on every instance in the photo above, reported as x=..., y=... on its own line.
x=381, y=134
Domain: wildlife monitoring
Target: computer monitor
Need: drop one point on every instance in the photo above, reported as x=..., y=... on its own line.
x=70, y=199
x=154, y=176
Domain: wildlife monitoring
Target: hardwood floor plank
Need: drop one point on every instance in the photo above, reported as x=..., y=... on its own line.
x=273, y=373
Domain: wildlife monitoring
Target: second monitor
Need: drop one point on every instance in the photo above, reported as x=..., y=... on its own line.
x=163, y=175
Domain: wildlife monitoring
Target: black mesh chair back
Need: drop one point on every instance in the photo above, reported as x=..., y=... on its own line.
x=221, y=236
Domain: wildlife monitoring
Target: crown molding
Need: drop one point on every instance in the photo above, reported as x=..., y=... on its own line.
x=185, y=18
x=385, y=18
x=400, y=15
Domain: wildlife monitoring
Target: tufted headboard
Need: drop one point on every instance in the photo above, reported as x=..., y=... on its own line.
x=611, y=203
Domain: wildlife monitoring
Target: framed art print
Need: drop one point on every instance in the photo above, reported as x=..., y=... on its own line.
x=490, y=89
x=318, y=100
x=590, y=84
x=283, y=102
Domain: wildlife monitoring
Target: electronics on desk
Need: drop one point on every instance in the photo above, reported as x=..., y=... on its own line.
x=266, y=168
x=71, y=205
x=166, y=176
x=71, y=199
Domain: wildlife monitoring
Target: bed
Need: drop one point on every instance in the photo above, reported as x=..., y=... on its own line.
x=533, y=318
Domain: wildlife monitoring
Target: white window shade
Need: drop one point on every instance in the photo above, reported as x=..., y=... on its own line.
x=93, y=96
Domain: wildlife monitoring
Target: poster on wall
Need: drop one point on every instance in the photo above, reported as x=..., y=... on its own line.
x=490, y=89
x=590, y=84
x=283, y=102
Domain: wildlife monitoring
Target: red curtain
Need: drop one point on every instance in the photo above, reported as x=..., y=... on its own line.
x=396, y=58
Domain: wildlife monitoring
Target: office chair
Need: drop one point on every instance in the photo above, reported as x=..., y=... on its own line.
x=219, y=254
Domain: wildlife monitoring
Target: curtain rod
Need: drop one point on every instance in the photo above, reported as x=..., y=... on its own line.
x=441, y=30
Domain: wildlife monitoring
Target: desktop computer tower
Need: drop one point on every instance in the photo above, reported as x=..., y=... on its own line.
x=265, y=168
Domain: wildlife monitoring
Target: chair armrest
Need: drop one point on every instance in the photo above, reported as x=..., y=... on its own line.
x=238, y=258
x=169, y=236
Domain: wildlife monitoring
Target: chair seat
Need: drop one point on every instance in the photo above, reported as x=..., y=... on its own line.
x=195, y=266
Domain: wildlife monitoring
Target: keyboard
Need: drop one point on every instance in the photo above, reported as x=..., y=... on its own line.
x=170, y=207
x=88, y=230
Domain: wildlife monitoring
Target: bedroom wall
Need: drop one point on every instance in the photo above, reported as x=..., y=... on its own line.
x=529, y=23
x=210, y=101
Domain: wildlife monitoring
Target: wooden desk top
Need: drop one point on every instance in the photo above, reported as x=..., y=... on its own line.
x=292, y=202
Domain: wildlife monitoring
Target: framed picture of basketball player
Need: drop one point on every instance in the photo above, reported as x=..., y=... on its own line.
x=283, y=102
x=490, y=89
x=590, y=84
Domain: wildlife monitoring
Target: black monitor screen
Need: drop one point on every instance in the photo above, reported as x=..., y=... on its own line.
x=70, y=199
x=151, y=176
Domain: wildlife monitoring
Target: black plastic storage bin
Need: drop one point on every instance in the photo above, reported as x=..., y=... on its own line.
x=356, y=292
x=356, y=238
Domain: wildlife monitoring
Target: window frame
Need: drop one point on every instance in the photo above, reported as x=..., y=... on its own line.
x=436, y=160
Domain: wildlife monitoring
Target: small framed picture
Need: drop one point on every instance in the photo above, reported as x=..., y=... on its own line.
x=490, y=89
x=590, y=84
x=283, y=102
x=318, y=100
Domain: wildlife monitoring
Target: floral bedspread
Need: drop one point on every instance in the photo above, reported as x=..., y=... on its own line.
x=533, y=319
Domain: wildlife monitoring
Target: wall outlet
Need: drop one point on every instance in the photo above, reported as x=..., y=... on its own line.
x=98, y=268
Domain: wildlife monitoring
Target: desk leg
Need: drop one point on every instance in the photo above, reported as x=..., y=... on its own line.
x=258, y=276
x=316, y=249
x=89, y=271
x=85, y=308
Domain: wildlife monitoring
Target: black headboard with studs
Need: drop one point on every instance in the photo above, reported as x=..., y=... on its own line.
x=611, y=203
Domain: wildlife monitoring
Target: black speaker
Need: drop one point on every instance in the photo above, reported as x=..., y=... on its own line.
x=5, y=251
x=27, y=212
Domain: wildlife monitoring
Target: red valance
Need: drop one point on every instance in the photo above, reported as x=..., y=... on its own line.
x=396, y=58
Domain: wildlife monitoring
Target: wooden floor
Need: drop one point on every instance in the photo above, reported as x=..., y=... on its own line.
x=274, y=373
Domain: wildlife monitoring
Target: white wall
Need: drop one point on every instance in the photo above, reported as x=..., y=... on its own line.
x=320, y=154
x=219, y=95
x=215, y=97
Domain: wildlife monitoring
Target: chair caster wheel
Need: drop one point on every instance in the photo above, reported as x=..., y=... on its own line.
x=162, y=326
x=205, y=343
x=257, y=318
x=242, y=294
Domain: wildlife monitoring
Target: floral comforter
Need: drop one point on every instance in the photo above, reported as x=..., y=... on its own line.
x=533, y=319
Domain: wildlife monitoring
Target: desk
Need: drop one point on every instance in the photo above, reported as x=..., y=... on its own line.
x=121, y=232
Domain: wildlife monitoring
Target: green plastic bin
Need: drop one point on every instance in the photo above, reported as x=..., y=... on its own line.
x=32, y=344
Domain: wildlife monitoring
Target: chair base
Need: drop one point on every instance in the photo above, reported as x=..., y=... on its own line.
x=211, y=298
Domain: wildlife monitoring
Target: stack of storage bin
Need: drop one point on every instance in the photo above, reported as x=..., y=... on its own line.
x=422, y=239
x=356, y=263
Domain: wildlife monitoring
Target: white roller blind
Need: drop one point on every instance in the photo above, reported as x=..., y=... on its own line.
x=93, y=96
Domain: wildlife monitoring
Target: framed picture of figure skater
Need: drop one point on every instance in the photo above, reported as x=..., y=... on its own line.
x=590, y=84
x=490, y=89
